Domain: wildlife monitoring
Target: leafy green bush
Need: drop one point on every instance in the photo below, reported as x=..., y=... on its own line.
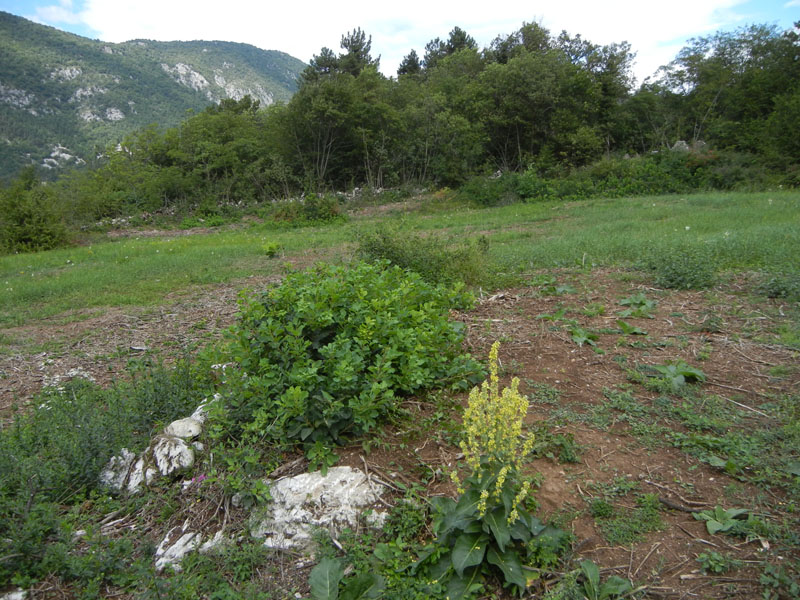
x=326, y=353
x=780, y=285
x=435, y=259
x=308, y=211
x=30, y=218
x=681, y=268
x=490, y=191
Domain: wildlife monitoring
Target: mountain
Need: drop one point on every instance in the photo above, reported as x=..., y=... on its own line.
x=64, y=98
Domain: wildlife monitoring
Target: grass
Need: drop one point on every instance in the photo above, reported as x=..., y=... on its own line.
x=732, y=227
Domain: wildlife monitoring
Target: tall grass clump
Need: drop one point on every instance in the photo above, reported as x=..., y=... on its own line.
x=436, y=259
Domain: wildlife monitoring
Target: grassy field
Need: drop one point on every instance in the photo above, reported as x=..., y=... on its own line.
x=656, y=341
x=739, y=231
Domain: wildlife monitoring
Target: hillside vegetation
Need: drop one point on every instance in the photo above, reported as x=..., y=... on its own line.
x=532, y=117
x=65, y=98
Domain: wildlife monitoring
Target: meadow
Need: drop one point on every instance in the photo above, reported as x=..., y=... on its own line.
x=655, y=342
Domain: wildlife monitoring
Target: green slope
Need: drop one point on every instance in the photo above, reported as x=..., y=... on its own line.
x=64, y=98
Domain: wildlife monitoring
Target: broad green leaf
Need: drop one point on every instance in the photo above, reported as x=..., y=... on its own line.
x=462, y=586
x=468, y=551
x=496, y=523
x=615, y=586
x=629, y=329
x=508, y=562
x=324, y=579
x=363, y=586
x=592, y=574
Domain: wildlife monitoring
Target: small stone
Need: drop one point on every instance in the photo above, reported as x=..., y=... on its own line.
x=186, y=429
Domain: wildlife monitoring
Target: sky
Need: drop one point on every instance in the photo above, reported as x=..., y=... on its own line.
x=656, y=30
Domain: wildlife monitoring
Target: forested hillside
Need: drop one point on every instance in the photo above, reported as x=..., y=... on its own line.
x=64, y=98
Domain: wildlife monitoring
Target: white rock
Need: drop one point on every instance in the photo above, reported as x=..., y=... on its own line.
x=141, y=472
x=171, y=554
x=172, y=454
x=19, y=594
x=308, y=501
x=185, y=429
x=212, y=543
x=117, y=469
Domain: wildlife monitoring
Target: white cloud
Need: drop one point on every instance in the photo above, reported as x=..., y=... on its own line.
x=655, y=30
x=792, y=3
x=62, y=12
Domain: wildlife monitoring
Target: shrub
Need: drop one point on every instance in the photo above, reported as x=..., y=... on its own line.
x=326, y=353
x=55, y=453
x=30, y=218
x=490, y=191
x=308, y=211
x=780, y=285
x=436, y=260
x=686, y=268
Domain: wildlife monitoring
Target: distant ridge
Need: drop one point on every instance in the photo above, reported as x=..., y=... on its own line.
x=64, y=98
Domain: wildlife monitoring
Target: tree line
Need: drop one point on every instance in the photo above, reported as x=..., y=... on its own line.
x=531, y=102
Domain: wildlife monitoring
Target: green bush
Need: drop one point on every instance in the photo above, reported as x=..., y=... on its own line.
x=326, y=353
x=684, y=268
x=780, y=285
x=30, y=218
x=308, y=211
x=435, y=259
x=490, y=191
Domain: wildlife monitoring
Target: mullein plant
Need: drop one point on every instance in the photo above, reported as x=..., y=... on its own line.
x=488, y=531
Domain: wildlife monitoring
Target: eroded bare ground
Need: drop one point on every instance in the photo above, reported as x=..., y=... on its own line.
x=725, y=332
x=99, y=344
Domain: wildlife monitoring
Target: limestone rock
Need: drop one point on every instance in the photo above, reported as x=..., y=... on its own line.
x=169, y=453
x=171, y=553
x=172, y=454
x=680, y=146
x=186, y=429
x=116, y=472
x=308, y=501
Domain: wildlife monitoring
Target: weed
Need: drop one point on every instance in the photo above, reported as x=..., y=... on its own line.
x=594, y=309
x=780, y=285
x=488, y=529
x=681, y=268
x=626, y=526
x=271, y=249
x=435, y=259
x=672, y=376
x=583, y=336
x=555, y=446
x=717, y=563
x=779, y=582
x=543, y=393
x=639, y=306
